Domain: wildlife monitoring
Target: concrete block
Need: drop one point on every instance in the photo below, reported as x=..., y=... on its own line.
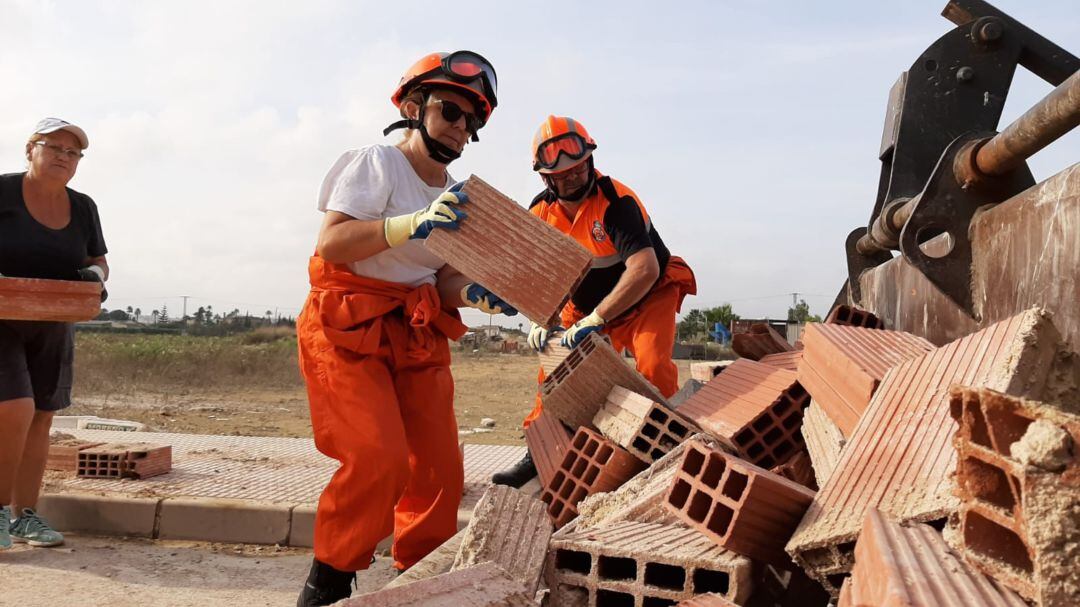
x=220, y=520
x=437, y=562
x=579, y=386
x=592, y=464
x=741, y=507
x=116, y=425
x=510, y=529
x=854, y=317
x=824, y=442
x=754, y=409
x=100, y=515
x=899, y=566
x=56, y=300
x=513, y=253
x=642, y=564
x=1018, y=480
x=302, y=526
x=547, y=439
x=485, y=585
x=900, y=459
x=645, y=428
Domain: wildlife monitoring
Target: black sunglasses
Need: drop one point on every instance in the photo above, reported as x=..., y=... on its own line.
x=452, y=112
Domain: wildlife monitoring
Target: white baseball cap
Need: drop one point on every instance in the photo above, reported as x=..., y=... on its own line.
x=51, y=125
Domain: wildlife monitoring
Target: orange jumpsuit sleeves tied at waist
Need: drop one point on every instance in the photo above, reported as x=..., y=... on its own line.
x=376, y=361
x=646, y=330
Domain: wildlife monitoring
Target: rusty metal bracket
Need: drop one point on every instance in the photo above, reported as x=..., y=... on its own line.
x=936, y=238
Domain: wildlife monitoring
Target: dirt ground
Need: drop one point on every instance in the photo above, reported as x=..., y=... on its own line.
x=502, y=387
x=117, y=572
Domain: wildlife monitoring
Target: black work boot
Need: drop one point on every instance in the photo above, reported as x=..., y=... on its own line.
x=517, y=475
x=325, y=585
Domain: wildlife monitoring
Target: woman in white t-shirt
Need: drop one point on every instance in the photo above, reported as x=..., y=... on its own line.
x=373, y=334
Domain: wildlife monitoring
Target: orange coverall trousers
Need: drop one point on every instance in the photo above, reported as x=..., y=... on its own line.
x=376, y=361
x=647, y=331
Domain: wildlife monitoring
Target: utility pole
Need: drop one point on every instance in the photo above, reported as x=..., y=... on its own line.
x=185, y=298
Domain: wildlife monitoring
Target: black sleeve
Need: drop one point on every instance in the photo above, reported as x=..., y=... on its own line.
x=623, y=221
x=95, y=240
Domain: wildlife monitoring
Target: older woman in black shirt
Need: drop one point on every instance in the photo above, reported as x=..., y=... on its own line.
x=47, y=230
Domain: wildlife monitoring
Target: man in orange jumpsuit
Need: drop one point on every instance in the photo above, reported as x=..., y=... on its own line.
x=373, y=332
x=635, y=286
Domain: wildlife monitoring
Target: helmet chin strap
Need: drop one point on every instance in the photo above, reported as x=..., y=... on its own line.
x=577, y=194
x=438, y=151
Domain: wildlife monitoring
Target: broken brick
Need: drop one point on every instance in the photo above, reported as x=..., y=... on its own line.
x=760, y=341
x=900, y=460
x=854, y=317
x=824, y=442
x=704, y=372
x=579, y=386
x=64, y=454
x=784, y=360
x=1018, y=480
x=124, y=460
x=485, y=585
x=741, y=507
x=642, y=426
x=52, y=300
x=911, y=566
x=754, y=409
x=642, y=564
x=510, y=529
x=592, y=464
x=799, y=470
x=547, y=439
x=513, y=253
x=842, y=366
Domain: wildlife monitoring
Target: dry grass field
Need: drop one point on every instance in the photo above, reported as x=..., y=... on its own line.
x=249, y=385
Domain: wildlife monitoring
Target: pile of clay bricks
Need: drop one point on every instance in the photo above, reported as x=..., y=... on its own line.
x=64, y=452
x=869, y=467
x=124, y=460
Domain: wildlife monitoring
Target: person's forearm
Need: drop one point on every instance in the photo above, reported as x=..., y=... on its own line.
x=641, y=273
x=450, y=283
x=352, y=240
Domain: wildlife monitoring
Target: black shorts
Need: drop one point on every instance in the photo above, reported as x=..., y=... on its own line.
x=35, y=362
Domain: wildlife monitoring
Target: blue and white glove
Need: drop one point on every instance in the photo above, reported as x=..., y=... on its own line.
x=576, y=333
x=439, y=214
x=487, y=302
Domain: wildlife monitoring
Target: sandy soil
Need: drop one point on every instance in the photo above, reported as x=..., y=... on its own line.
x=116, y=572
x=502, y=387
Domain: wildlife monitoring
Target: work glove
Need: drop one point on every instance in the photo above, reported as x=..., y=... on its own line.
x=439, y=214
x=576, y=333
x=487, y=302
x=94, y=274
x=538, y=337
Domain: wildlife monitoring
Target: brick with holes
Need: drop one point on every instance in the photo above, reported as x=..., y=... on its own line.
x=754, y=409
x=855, y=317
x=641, y=425
x=824, y=442
x=704, y=372
x=741, y=507
x=761, y=340
x=124, y=460
x=798, y=469
x=579, y=385
x=547, y=439
x=634, y=563
x=64, y=453
x=1018, y=480
x=592, y=464
x=784, y=360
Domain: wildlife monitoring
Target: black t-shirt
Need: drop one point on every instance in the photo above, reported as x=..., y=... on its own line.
x=29, y=249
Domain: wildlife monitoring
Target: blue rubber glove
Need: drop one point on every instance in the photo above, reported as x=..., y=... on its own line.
x=439, y=214
x=576, y=333
x=487, y=302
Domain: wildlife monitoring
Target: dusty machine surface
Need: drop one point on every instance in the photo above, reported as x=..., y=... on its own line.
x=978, y=239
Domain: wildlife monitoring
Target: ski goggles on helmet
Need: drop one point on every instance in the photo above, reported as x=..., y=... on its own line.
x=571, y=145
x=467, y=67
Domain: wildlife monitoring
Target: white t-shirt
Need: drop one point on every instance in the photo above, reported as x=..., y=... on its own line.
x=375, y=182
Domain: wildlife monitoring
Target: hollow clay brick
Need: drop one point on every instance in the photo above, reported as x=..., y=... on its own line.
x=900, y=458
x=547, y=439
x=592, y=464
x=513, y=253
x=640, y=499
x=799, y=470
x=579, y=386
x=552, y=354
x=784, y=360
x=510, y=529
x=1018, y=480
x=824, y=442
x=124, y=460
x=54, y=300
x=855, y=317
x=741, y=507
x=485, y=585
x=704, y=372
x=760, y=341
x=898, y=566
x=842, y=366
x=754, y=409
x=707, y=600
x=642, y=564
x=64, y=454
x=645, y=428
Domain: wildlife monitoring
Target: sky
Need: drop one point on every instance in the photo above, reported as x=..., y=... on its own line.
x=749, y=129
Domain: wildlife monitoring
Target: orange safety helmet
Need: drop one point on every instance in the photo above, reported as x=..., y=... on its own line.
x=559, y=144
x=464, y=71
